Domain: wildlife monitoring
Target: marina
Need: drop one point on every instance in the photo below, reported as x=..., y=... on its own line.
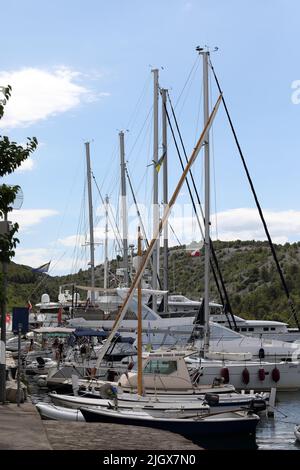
x=153, y=310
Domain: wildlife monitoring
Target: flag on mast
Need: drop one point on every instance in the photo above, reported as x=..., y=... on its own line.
x=42, y=269
x=159, y=162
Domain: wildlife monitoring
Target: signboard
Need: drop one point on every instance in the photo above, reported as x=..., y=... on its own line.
x=20, y=317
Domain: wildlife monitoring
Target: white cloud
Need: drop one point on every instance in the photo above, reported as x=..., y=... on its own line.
x=241, y=223
x=32, y=257
x=29, y=217
x=35, y=257
x=245, y=224
x=72, y=240
x=40, y=93
x=233, y=224
x=27, y=165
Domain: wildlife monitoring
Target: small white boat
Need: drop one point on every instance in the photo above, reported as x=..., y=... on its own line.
x=40, y=366
x=222, y=356
x=297, y=432
x=58, y=413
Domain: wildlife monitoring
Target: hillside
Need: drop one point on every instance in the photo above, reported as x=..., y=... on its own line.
x=249, y=272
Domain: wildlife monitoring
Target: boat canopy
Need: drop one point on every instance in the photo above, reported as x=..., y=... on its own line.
x=54, y=330
x=90, y=332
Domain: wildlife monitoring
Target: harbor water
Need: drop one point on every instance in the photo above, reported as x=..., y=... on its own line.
x=273, y=433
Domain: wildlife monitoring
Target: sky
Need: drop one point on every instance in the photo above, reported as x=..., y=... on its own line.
x=81, y=71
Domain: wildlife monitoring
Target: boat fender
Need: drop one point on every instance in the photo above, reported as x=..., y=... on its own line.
x=275, y=374
x=225, y=374
x=261, y=374
x=261, y=353
x=246, y=376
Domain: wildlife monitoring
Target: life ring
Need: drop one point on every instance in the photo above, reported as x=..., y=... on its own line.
x=246, y=376
x=275, y=375
x=261, y=374
x=225, y=374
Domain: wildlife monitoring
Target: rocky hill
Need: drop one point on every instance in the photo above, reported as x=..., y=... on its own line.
x=248, y=269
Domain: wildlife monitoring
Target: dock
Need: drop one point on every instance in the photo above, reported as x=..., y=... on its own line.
x=22, y=429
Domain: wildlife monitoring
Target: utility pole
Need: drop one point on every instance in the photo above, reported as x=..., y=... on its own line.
x=165, y=193
x=155, y=256
x=90, y=204
x=3, y=328
x=124, y=208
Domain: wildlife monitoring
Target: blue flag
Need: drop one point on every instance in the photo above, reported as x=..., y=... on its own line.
x=42, y=269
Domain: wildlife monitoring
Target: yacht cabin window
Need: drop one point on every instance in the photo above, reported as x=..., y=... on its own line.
x=159, y=366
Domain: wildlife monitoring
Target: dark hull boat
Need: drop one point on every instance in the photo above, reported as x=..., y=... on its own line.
x=219, y=424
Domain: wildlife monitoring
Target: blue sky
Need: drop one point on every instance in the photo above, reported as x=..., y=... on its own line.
x=81, y=70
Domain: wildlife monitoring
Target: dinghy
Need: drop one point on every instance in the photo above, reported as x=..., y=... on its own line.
x=218, y=424
x=58, y=413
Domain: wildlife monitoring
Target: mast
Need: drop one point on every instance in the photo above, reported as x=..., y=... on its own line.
x=163, y=221
x=205, y=56
x=165, y=194
x=106, y=244
x=124, y=208
x=155, y=256
x=140, y=324
x=90, y=204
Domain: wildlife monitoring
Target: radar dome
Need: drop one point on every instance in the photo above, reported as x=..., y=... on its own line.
x=45, y=299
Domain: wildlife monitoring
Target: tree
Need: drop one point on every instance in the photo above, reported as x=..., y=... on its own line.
x=11, y=157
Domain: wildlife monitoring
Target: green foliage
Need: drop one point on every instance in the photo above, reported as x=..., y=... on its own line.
x=12, y=154
x=11, y=157
x=6, y=92
x=252, y=281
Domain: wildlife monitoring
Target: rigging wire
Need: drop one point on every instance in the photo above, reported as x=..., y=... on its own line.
x=212, y=146
x=227, y=305
x=134, y=115
x=195, y=65
x=174, y=233
x=117, y=235
x=280, y=272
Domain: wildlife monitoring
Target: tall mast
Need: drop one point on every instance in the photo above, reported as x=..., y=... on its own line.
x=124, y=208
x=205, y=56
x=90, y=204
x=106, y=244
x=149, y=252
x=140, y=325
x=155, y=256
x=165, y=192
